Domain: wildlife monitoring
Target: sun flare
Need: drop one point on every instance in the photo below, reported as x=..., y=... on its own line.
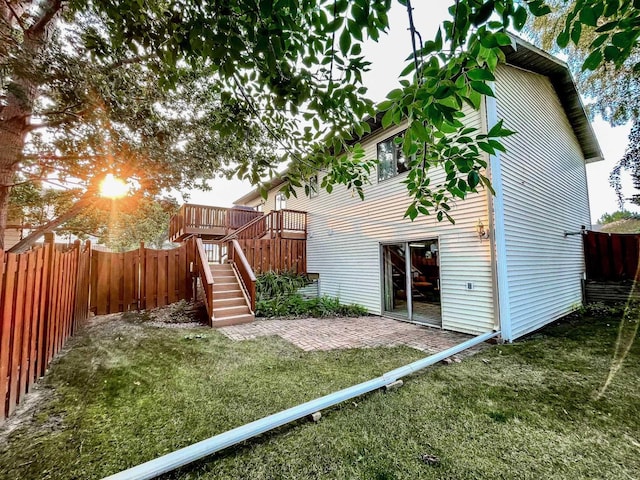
x=112, y=187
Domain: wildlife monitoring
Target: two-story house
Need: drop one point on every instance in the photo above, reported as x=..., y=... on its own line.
x=508, y=262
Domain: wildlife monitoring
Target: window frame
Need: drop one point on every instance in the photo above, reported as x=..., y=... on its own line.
x=282, y=199
x=396, y=154
x=313, y=189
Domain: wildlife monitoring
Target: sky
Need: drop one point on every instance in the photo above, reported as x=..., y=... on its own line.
x=387, y=57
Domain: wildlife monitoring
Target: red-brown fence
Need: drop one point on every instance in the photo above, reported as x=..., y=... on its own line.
x=611, y=262
x=611, y=256
x=140, y=279
x=278, y=255
x=44, y=297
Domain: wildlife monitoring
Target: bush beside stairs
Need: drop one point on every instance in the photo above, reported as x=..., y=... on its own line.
x=229, y=303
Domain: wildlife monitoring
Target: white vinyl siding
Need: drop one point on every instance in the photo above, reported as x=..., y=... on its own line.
x=545, y=194
x=345, y=234
x=267, y=205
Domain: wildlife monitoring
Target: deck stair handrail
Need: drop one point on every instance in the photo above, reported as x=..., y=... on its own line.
x=249, y=230
x=247, y=277
x=204, y=271
x=273, y=224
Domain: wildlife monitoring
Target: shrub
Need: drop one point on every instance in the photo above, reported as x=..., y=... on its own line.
x=602, y=310
x=296, y=305
x=277, y=285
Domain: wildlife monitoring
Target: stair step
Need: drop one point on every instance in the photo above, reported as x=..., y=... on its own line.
x=229, y=302
x=224, y=286
x=224, y=278
x=222, y=294
x=230, y=311
x=233, y=320
x=220, y=267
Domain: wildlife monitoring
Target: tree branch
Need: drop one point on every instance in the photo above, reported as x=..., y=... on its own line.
x=87, y=199
x=15, y=15
x=63, y=157
x=50, y=9
x=51, y=124
x=129, y=61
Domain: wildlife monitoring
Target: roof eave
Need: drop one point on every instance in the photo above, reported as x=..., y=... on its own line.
x=523, y=55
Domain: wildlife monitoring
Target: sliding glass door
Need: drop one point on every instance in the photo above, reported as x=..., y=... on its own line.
x=395, y=279
x=411, y=281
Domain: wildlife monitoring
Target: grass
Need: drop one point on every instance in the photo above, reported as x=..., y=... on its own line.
x=127, y=392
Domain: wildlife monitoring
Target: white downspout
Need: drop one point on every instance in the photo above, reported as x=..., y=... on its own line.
x=499, y=227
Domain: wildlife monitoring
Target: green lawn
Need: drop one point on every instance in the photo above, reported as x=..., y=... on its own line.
x=127, y=392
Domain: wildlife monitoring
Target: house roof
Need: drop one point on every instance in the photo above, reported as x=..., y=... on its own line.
x=523, y=55
x=529, y=57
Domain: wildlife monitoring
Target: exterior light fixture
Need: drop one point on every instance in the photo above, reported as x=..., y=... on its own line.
x=482, y=231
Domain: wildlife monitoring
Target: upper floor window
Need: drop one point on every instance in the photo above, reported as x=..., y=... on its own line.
x=281, y=201
x=313, y=186
x=391, y=160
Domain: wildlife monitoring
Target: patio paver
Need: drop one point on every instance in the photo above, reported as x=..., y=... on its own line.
x=311, y=334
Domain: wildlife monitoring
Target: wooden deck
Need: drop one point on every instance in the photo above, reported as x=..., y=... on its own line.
x=215, y=223
x=270, y=242
x=208, y=222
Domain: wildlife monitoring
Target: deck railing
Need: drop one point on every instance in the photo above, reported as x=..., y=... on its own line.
x=288, y=221
x=216, y=250
x=208, y=220
x=256, y=228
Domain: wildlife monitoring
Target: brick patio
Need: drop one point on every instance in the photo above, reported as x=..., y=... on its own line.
x=311, y=334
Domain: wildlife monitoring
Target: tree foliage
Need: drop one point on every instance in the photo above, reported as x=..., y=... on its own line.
x=617, y=216
x=170, y=91
x=73, y=108
x=630, y=161
x=612, y=91
x=119, y=224
x=603, y=53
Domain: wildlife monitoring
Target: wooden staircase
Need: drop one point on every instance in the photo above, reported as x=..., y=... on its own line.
x=230, y=305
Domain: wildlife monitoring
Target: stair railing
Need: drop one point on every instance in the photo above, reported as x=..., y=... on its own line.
x=248, y=230
x=241, y=264
x=206, y=277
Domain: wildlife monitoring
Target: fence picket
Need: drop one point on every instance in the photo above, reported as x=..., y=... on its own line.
x=611, y=256
x=8, y=299
x=27, y=323
x=279, y=255
x=161, y=283
x=46, y=293
x=18, y=331
x=35, y=315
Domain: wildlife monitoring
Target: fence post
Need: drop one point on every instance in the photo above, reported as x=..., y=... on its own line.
x=142, y=268
x=77, y=246
x=45, y=346
x=5, y=333
x=86, y=292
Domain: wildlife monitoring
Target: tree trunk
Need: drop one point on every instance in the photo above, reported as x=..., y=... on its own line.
x=15, y=114
x=11, y=145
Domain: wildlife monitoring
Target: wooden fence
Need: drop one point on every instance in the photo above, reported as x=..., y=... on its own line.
x=611, y=262
x=611, y=256
x=44, y=297
x=279, y=255
x=140, y=279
